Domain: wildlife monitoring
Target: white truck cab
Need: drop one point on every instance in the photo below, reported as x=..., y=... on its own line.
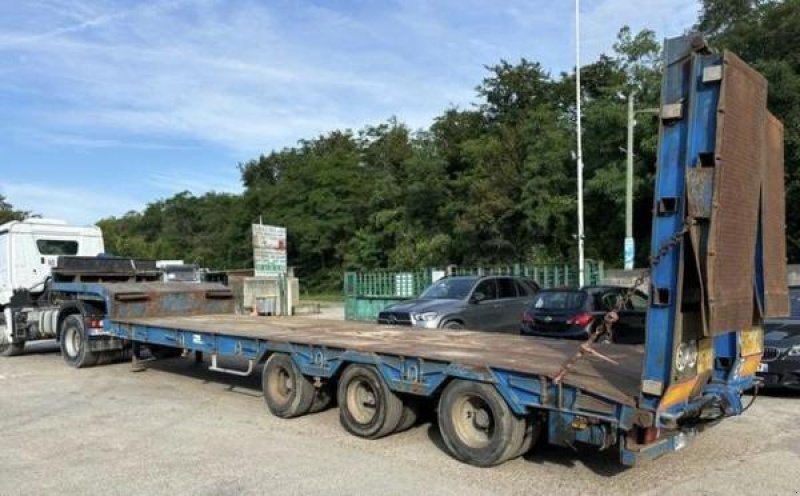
x=30, y=248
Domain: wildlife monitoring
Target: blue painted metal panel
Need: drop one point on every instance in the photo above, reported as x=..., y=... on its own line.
x=670, y=183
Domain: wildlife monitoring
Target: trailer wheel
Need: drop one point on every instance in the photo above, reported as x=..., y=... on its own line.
x=477, y=425
x=367, y=407
x=12, y=349
x=287, y=391
x=533, y=430
x=75, y=345
x=323, y=398
x=410, y=414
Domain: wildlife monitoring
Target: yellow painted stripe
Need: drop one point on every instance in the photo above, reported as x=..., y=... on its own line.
x=752, y=341
x=705, y=356
x=750, y=365
x=677, y=393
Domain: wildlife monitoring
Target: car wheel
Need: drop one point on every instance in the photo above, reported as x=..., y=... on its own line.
x=453, y=324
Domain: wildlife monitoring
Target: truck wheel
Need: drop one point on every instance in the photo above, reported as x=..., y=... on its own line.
x=12, y=349
x=367, y=407
x=287, y=391
x=477, y=425
x=74, y=344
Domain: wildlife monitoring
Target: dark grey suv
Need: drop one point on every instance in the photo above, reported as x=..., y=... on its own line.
x=489, y=303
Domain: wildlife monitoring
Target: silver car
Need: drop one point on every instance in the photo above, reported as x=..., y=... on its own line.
x=490, y=303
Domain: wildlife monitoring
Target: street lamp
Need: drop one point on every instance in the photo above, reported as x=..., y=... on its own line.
x=629, y=247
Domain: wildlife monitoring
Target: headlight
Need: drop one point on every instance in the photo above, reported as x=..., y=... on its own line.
x=686, y=357
x=425, y=317
x=794, y=350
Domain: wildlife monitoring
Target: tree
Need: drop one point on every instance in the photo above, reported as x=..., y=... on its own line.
x=8, y=213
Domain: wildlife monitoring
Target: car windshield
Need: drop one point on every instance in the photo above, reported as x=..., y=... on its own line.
x=559, y=300
x=449, y=289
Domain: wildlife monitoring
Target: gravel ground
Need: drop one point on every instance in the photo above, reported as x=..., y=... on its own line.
x=179, y=429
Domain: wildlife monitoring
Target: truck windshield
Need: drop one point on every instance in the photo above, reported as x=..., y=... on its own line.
x=57, y=247
x=559, y=300
x=449, y=289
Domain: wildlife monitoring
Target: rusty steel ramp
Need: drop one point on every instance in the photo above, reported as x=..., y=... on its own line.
x=535, y=356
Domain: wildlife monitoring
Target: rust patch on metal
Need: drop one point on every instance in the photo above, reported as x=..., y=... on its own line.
x=161, y=299
x=773, y=218
x=739, y=161
x=699, y=190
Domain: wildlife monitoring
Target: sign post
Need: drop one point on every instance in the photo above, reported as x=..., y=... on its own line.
x=269, y=250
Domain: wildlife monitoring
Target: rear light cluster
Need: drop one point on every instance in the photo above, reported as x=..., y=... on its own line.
x=92, y=323
x=581, y=319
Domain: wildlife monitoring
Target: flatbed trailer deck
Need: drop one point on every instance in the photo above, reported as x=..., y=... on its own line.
x=539, y=358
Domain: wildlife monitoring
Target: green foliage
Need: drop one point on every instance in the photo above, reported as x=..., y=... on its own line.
x=8, y=213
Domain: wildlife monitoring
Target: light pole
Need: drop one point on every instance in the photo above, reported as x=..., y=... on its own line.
x=629, y=248
x=581, y=274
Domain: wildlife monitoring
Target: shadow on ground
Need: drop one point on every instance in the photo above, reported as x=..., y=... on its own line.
x=605, y=463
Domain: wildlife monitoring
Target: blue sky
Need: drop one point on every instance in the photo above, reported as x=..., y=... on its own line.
x=107, y=105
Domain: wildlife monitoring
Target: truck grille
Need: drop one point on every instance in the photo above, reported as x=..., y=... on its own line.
x=770, y=353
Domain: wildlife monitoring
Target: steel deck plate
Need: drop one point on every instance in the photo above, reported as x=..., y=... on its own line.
x=535, y=356
x=739, y=163
x=774, y=221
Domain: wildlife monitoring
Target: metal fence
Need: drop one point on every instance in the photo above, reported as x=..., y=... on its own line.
x=367, y=293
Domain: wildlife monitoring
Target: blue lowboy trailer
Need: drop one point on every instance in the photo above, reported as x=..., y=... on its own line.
x=718, y=250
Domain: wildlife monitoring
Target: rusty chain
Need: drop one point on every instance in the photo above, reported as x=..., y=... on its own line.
x=606, y=330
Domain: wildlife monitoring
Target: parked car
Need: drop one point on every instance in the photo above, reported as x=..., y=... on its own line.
x=489, y=303
x=780, y=365
x=572, y=313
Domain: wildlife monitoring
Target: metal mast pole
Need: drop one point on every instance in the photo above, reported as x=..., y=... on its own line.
x=581, y=264
x=629, y=249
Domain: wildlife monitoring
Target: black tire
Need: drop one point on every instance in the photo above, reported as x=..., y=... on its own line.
x=410, y=414
x=453, y=324
x=533, y=430
x=323, y=398
x=367, y=407
x=12, y=349
x=74, y=343
x=477, y=425
x=287, y=391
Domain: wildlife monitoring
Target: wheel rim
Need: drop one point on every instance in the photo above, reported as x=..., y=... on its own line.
x=473, y=421
x=281, y=384
x=72, y=342
x=362, y=401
